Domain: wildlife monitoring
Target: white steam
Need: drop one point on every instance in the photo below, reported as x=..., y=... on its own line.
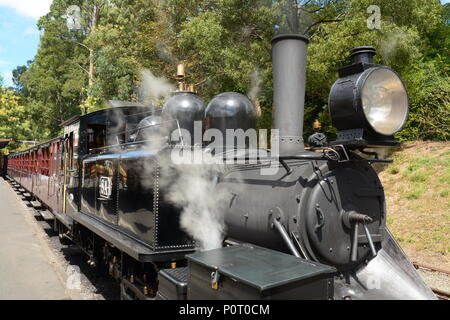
x=191, y=188
x=255, y=86
x=153, y=88
x=202, y=203
x=390, y=44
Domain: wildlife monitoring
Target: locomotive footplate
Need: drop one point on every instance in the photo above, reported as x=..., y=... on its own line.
x=67, y=221
x=130, y=246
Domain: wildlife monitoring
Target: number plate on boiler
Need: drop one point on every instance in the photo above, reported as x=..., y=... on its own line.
x=105, y=187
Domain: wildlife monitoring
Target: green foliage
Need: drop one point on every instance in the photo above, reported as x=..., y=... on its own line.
x=54, y=81
x=14, y=122
x=429, y=90
x=119, y=49
x=226, y=47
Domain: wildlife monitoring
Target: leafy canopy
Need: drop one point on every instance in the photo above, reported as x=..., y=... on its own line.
x=226, y=47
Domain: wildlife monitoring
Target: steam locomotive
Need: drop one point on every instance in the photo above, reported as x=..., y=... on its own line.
x=314, y=228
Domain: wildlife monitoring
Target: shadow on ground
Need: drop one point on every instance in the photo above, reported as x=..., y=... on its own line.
x=102, y=284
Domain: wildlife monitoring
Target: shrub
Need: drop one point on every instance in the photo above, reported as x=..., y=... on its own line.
x=428, y=89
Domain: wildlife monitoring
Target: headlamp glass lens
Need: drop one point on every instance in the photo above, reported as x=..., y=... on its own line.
x=384, y=101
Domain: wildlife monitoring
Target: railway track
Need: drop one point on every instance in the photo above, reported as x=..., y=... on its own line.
x=438, y=291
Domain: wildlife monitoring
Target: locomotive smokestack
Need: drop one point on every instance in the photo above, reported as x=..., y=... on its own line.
x=289, y=77
x=363, y=54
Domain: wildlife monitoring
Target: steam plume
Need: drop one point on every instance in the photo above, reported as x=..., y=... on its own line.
x=192, y=188
x=153, y=88
x=194, y=191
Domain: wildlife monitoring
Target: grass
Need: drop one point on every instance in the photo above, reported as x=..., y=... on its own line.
x=443, y=193
x=421, y=176
x=444, y=178
x=389, y=221
x=417, y=189
x=393, y=170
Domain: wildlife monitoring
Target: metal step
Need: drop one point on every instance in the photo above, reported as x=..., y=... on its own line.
x=46, y=215
x=36, y=204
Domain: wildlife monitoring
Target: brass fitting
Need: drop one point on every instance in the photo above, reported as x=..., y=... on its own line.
x=180, y=71
x=317, y=126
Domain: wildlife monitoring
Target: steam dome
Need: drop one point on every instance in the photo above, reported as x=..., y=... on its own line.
x=230, y=110
x=148, y=128
x=186, y=107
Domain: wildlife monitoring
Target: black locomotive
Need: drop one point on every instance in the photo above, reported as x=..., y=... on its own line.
x=299, y=223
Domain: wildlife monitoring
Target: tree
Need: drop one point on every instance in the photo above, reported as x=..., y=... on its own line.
x=226, y=47
x=16, y=74
x=56, y=79
x=400, y=44
x=14, y=124
x=120, y=51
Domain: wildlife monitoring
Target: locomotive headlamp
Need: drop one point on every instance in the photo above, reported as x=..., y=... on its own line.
x=384, y=101
x=368, y=103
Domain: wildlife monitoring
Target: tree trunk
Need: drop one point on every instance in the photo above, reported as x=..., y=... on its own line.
x=294, y=17
x=93, y=26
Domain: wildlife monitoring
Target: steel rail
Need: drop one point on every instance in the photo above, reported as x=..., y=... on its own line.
x=418, y=265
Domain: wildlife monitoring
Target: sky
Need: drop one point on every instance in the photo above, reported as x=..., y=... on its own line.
x=19, y=36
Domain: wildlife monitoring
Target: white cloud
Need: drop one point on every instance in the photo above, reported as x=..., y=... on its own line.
x=4, y=63
x=29, y=8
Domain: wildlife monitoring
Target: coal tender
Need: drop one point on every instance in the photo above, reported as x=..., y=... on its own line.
x=317, y=228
